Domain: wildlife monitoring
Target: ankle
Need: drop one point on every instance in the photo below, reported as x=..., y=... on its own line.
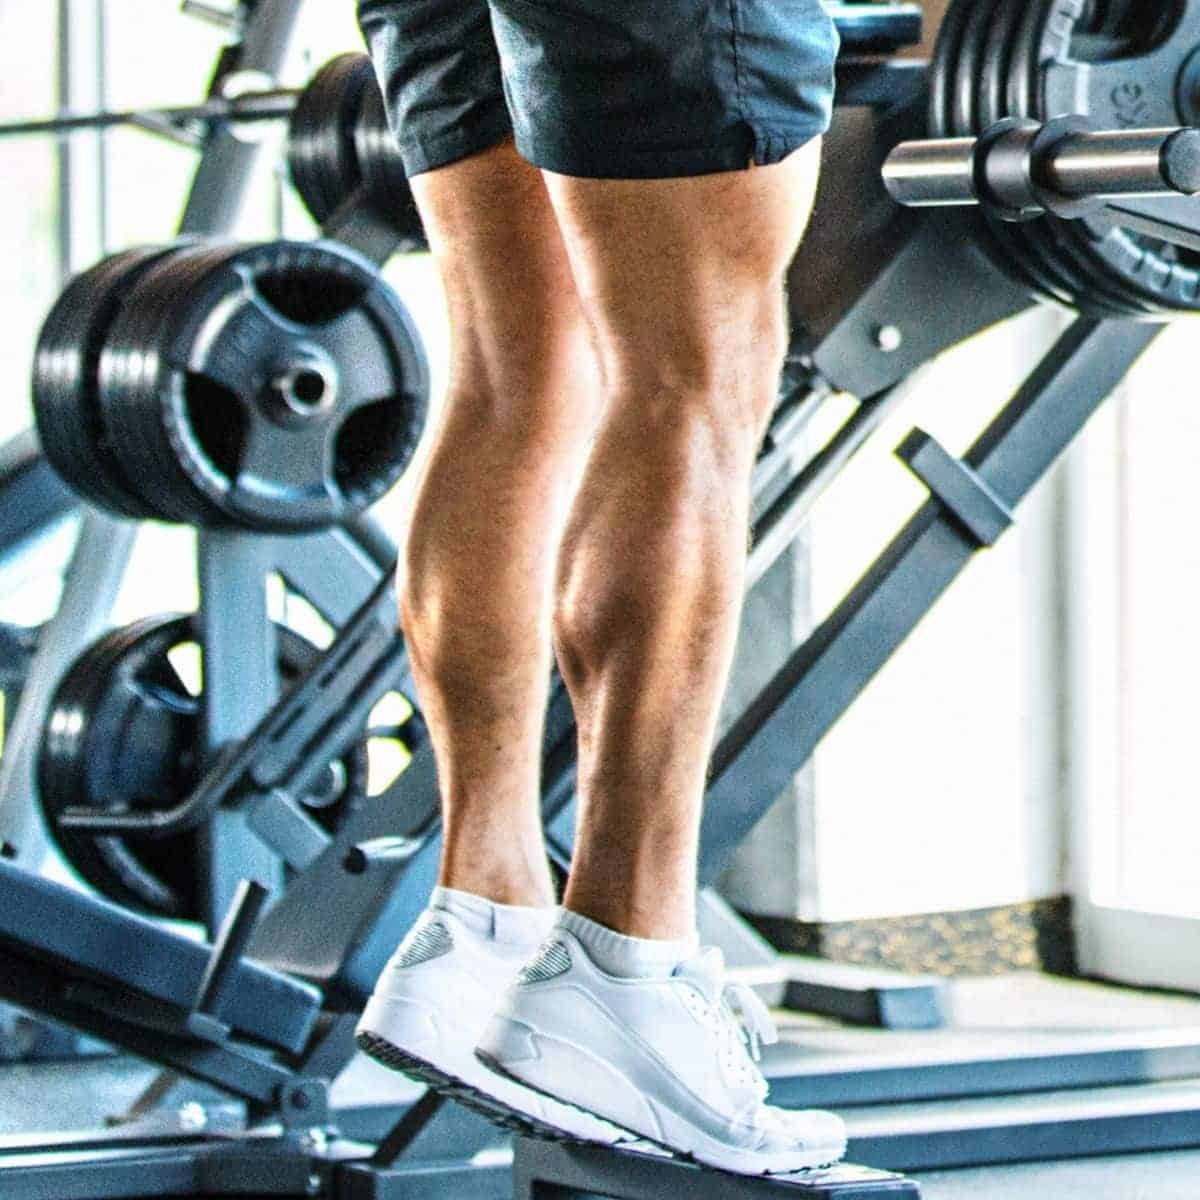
x=514, y=889
x=624, y=956
x=501, y=860
x=663, y=922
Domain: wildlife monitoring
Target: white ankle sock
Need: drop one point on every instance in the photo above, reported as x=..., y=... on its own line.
x=628, y=957
x=499, y=922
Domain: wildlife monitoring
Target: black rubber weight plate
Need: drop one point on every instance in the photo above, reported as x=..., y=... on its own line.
x=124, y=731
x=321, y=155
x=129, y=373
x=279, y=387
x=383, y=174
x=66, y=403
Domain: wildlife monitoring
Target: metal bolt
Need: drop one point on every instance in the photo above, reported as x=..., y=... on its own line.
x=888, y=338
x=314, y=1141
x=193, y=1115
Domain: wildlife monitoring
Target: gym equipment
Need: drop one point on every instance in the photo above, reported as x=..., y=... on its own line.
x=1019, y=170
x=66, y=380
x=339, y=142
x=320, y=149
x=213, y=207
x=545, y=1170
x=124, y=733
x=304, y=755
x=384, y=181
x=278, y=387
x=259, y=1035
x=1041, y=59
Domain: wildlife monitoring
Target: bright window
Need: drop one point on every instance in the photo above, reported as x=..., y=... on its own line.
x=29, y=247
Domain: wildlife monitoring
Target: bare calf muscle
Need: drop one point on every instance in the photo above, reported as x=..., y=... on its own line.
x=681, y=281
x=489, y=510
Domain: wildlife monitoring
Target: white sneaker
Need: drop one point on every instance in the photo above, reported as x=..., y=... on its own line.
x=671, y=1059
x=427, y=1013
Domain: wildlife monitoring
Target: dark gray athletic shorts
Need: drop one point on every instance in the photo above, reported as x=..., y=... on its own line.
x=610, y=89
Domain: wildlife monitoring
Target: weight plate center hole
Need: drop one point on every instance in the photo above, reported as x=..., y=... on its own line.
x=305, y=390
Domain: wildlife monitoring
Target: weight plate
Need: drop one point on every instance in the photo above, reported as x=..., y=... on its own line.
x=1100, y=293
x=66, y=405
x=1135, y=89
x=126, y=394
x=1025, y=241
x=383, y=174
x=943, y=69
x=1124, y=65
x=277, y=387
x=321, y=156
x=1091, y=289
x=124, y=731
x=970, y=65
x=974, y=33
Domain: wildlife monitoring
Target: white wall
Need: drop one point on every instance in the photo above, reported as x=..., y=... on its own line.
x=939, y=790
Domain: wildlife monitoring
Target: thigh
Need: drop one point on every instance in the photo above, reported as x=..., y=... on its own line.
x=439, y=70
x=637, y=89
x=685, y=270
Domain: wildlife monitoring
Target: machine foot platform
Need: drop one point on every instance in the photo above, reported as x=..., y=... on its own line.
x=543, y=1170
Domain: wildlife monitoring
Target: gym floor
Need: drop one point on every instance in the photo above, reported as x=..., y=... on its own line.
x=989, y=1015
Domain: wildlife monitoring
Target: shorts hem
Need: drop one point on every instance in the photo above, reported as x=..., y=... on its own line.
x=430, y=153
x=755, y=145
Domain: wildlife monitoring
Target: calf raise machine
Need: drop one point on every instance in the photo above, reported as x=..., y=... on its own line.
x=266, y=1011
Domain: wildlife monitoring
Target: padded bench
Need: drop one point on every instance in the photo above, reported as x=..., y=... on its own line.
x=44, y=920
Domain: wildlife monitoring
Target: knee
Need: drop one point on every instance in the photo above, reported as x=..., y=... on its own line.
x=715, y=381
x=536, y=426
x=539, y=382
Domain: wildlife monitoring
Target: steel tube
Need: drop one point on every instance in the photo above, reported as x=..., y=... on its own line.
x=1121, y=163
x=932, y=173
x=253, y=106
x=1107, y=165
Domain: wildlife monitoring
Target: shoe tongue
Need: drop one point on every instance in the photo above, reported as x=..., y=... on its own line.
x=705, y=971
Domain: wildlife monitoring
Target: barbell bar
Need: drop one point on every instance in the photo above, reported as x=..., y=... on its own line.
x=1020, y=169
x=270, y=105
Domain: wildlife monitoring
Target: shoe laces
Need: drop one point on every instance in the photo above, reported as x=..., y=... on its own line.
x=738, y=1007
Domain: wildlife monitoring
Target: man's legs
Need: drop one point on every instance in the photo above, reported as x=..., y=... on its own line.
x=489, y=512
x=682, y=282
x=621, y=1014
x=680, y=279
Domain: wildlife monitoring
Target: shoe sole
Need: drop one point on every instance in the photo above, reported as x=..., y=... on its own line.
x=478, y=1101
x=682, y=1155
